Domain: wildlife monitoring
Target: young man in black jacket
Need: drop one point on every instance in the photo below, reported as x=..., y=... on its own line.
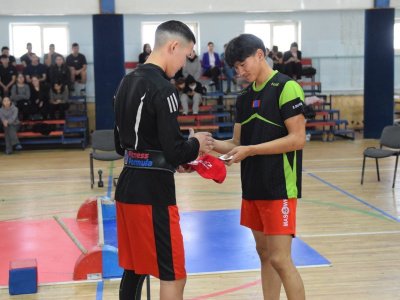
x=147, y=133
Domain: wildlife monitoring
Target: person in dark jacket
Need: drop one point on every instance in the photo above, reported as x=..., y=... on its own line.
x=147, y=134
x=292, y=62
x=145, y=54
x=192, y=91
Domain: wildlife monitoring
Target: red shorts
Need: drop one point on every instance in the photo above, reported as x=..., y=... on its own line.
x=150, y=240
x=273, y=217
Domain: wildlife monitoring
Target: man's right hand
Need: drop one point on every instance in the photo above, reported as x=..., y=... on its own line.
x=206, y=141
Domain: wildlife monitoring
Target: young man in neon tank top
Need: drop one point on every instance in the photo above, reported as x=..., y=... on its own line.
x=268, y=139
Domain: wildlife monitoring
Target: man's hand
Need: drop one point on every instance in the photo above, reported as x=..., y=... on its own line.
x=5, y=123
x=238, y=154
x=206, y=141
x=184, y=169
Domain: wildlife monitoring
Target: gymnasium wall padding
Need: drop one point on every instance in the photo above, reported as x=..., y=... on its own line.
x=378, y=71
x=108, y=44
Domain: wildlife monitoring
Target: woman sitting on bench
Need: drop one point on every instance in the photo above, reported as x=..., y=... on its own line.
x=10, y=123
x=58, y=100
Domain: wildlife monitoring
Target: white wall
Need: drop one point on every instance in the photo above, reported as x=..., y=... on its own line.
x=87, y=7
x=334, y=39
x=46, y=7
x=217, y=6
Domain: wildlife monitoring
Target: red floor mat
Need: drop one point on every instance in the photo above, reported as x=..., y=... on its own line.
x=46, y=241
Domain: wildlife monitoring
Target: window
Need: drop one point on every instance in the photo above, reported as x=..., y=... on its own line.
x=280, y=34
x=149, y=32
x=397, y=35
x=40, y=36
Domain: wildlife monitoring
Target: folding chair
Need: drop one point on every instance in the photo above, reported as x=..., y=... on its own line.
x=103, y=148
x=390, y=138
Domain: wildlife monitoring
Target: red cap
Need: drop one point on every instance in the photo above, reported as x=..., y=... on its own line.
x=210, y=167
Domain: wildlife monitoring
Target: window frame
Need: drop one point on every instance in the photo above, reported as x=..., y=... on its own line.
x=272, y=24
x=396, y=22
x=43, y=48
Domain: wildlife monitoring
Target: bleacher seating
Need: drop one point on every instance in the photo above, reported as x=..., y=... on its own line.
x=327, y=122
x=212, y=118
x=71, y=130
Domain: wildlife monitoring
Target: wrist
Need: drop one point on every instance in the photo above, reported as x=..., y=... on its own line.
x=252, y=150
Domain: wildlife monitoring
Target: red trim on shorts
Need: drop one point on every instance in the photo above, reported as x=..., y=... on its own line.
x=272, y=217
x=178, y=253
x=144, y=246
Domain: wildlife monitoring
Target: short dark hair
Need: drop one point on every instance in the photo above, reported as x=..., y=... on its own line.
x=176, y=28
x=75, y=45
x=294, y=44
x=144, y=46
x=242, y=47
x=4, y=48
x=210, y=43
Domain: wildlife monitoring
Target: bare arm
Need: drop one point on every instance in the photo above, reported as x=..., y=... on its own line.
x=295, y=140
x=228, y=145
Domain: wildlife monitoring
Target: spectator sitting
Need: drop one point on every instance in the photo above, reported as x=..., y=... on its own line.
x=276, y=57
x=8, y=74
x=211, y=65
x=269, y=60
x=27, y=57
x=58, y=100
x=77, y=66
x=292, y=62
x=180, y=85
x=177, y=75
x=145, y=54
x=39, y=99
x=10, y=122
x=6, y=51
x=59, y=73
x=192, y=66
x=35, y=69
x=229, y=72
x=193, y=90
x=20, y=96
x=49, y=59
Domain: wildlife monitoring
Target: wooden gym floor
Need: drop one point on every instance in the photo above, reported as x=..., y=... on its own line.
x=356, y=227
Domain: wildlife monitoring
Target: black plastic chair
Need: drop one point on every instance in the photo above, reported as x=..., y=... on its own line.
x=390, y=138
x=103, y=148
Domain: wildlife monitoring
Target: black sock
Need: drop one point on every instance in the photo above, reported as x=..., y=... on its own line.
x=131, y=285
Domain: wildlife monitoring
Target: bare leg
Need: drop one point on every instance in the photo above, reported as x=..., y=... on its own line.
x=83, y=77
x=172, y=290
x=271, y=282
x=275, y=250
x=72, y=72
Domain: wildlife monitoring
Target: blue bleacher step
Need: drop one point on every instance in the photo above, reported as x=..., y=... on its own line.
x=74, y=129
x=214, y=94
x=77, y=98
x=223, y=135
x=225, y=124
x=340, y=122
x=80, y=118
x=222, y=114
